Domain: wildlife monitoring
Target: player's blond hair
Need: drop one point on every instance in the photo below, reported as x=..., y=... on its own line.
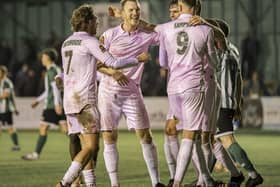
x=81, y=16
x=123, y=2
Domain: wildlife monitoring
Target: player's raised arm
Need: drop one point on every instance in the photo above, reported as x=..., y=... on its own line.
x=143, y=24
x=99, y=51
x=211, y=50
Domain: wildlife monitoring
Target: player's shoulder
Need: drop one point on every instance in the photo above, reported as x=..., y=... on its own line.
x=233, y=48
x=164, y=26
x=204, y=28
x=8, y=82
x=54, y=70
x=112, y=31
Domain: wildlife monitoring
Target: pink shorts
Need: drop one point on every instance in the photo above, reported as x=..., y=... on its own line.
x=216, y=111
x=209, y=107
x=189, y=108
x=113, y=105
x=86, y=122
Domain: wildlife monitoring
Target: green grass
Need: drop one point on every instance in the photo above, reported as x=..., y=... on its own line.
x=262, y=148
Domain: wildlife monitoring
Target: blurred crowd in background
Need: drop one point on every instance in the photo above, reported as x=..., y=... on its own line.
x=27, y=73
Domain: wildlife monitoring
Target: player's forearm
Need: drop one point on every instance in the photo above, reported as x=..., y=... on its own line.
x=213, y=60
x=239, y=90
x=56, y=94
x=121, y=63
x=106, y=71
x=146, y=25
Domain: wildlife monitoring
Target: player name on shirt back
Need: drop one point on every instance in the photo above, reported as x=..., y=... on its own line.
x=181, y=24
x=72, y=42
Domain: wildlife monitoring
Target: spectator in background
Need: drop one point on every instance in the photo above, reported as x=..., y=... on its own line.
x=250, y=50
x=256, y=87
x=26, y=82
x=21, y=80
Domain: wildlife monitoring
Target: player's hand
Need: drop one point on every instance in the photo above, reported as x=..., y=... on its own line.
x=143, y=57
x=120, y=78
x=59, y=83
x=114, y=12
x=99, y=65
x=196, y=20
x=58, y=109
x=16, y=112
x=34, y=104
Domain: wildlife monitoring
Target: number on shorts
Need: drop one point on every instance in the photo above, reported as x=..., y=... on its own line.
x=182, y=42
x=68, y=54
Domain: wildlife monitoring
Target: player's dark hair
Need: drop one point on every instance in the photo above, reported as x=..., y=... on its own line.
x=190, y=3
x=194, y=3
x=173, y=2
x=224, y=26
x=123, y=2
x=81, y=16
x=198, y=7
x=51, y=53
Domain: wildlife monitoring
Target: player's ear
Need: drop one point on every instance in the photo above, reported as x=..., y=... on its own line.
x=180, y=8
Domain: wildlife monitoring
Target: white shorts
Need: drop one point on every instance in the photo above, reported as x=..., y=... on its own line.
x=189, y=108
x=129, y=103
x=86, y=122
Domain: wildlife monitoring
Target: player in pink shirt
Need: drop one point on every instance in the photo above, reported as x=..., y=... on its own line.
x=125, y=41
x=185, y=47
x=80, y=52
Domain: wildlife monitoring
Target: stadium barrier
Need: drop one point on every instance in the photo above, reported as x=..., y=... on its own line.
x=29, y=118
x=258, y=113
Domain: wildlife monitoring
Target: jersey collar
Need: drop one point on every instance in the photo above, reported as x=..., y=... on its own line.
x=128, y=33
x=182, y=16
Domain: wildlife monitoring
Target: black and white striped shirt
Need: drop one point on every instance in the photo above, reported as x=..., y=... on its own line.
x=229, y=73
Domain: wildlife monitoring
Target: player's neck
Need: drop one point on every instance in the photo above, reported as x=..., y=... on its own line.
x=48, y=65
x=128, y=27
x=186, y=10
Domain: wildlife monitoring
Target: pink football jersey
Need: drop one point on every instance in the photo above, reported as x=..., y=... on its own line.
x=122, y=44
x=183, y=48
x=80, y=53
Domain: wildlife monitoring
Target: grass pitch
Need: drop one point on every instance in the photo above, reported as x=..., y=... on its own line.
x=262, y=148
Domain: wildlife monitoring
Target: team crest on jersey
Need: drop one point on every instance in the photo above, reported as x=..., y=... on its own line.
x=103, y=49
x=102, y=39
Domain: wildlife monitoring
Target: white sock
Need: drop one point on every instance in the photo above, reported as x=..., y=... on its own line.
x=151, y=159
x=197, y=167
x=183, y=159
x=72, y=173
x=89, y=178
x=253, y=174
x=206, y=176
x=206, y=148
x=171, y=149
x=223, y=157
x=111, y=158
